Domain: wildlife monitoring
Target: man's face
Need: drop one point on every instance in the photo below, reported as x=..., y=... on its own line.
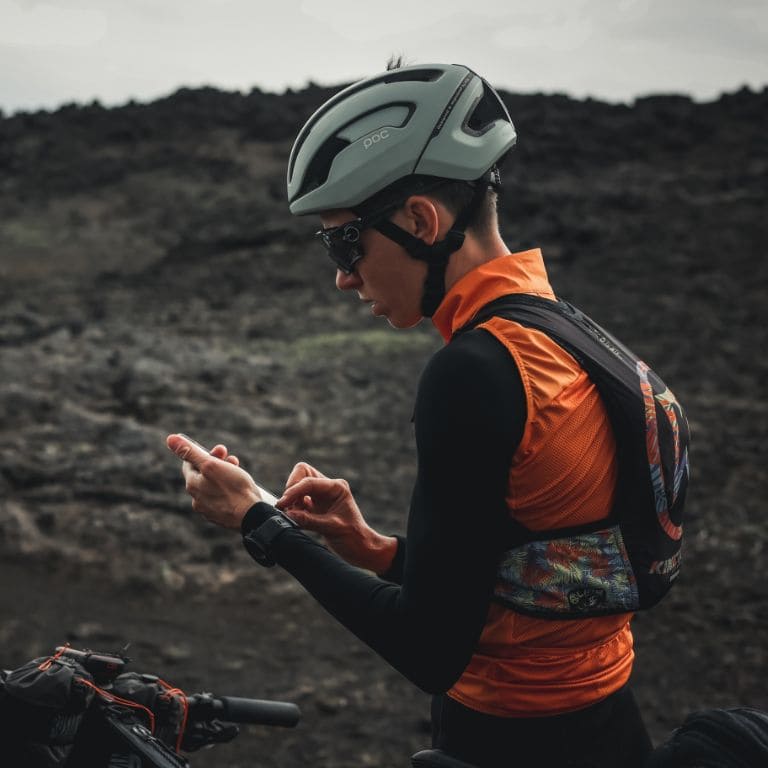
x=386, y=276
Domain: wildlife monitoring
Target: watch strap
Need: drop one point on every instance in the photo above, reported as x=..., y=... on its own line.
x=258, y=541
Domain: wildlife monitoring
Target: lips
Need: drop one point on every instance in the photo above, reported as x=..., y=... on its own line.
x=367, y=300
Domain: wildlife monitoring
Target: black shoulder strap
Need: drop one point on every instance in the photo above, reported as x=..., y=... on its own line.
x=610, y=365
x=596, y=350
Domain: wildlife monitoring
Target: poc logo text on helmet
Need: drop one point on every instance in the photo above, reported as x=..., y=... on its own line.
x=375, y=138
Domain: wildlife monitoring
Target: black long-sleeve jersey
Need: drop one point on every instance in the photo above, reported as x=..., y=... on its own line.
x=425, y=615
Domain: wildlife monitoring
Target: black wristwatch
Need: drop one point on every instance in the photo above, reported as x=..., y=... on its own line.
x=258, y=541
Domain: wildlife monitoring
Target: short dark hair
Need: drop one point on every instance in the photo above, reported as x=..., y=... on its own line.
x=396, y=62
x=454, y=195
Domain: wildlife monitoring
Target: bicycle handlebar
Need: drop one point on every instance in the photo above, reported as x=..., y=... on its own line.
x=233, y=709
x=202, y=706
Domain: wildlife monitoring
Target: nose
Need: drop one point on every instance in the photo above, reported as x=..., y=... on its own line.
x=345, y=282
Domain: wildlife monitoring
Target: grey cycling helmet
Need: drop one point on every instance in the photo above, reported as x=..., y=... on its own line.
x=431, y=121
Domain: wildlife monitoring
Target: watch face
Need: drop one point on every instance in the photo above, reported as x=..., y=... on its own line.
x=256, y=550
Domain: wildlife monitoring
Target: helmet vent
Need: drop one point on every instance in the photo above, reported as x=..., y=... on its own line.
x=320, y=166
x=489, y=109
x=412, y=75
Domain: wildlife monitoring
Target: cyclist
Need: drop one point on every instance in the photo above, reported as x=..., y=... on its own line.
x=403, y=171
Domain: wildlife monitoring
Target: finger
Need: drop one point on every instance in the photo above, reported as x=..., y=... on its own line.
x=219, y=451
x=306, y=520
x=193, y=483
x=300, y=471
x=295, y=492
x=309, y=522
x=304, y=505
x=188, y=471
x=309, y=486
x=297, y=515
x=186, y=450
x=233, y=460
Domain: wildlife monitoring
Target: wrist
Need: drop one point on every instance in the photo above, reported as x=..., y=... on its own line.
x=382, y=551
x=259, y=513
x=259, y=539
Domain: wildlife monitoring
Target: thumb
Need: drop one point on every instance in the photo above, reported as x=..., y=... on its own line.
x=187, y=450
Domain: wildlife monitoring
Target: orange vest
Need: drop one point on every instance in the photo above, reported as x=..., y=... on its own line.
x=563, y=473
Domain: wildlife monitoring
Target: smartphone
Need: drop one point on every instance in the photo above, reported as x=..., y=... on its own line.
x=266, y=495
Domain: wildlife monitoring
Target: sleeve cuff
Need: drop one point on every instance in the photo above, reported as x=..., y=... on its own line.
x=256, y=515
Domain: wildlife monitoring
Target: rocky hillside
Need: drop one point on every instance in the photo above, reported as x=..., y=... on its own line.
x=152, y=280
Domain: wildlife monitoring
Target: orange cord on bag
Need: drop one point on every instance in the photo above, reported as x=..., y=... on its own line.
x=118, y=700
x=49, y=661
x=172, y=691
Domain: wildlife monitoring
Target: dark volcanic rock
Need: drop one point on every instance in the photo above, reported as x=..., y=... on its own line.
x=152, y=280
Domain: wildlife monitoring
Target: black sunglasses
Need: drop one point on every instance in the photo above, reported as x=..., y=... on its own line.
x=343, y=242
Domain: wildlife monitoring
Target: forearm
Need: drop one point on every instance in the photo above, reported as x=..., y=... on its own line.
x=425, y=646
x=376, y=553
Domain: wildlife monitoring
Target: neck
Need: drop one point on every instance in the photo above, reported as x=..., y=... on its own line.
x=472, y=254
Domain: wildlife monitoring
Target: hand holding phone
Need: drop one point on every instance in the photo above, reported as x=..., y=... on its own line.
x=266, y=495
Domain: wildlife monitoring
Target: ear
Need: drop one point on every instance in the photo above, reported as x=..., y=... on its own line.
x=422, y=216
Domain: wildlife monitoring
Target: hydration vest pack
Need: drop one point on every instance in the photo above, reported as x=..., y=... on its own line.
x=629, y=560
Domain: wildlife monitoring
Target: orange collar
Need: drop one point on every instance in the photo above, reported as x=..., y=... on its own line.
x=522, y=272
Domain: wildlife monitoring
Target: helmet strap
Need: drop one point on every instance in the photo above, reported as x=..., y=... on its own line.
x=438, y=254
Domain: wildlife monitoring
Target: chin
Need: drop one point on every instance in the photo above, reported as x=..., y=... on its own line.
x=404, y=322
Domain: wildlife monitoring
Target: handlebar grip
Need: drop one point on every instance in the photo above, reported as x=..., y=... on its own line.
x=259, y=711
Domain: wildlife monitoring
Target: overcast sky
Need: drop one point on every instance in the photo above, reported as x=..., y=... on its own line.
x=57, y=51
